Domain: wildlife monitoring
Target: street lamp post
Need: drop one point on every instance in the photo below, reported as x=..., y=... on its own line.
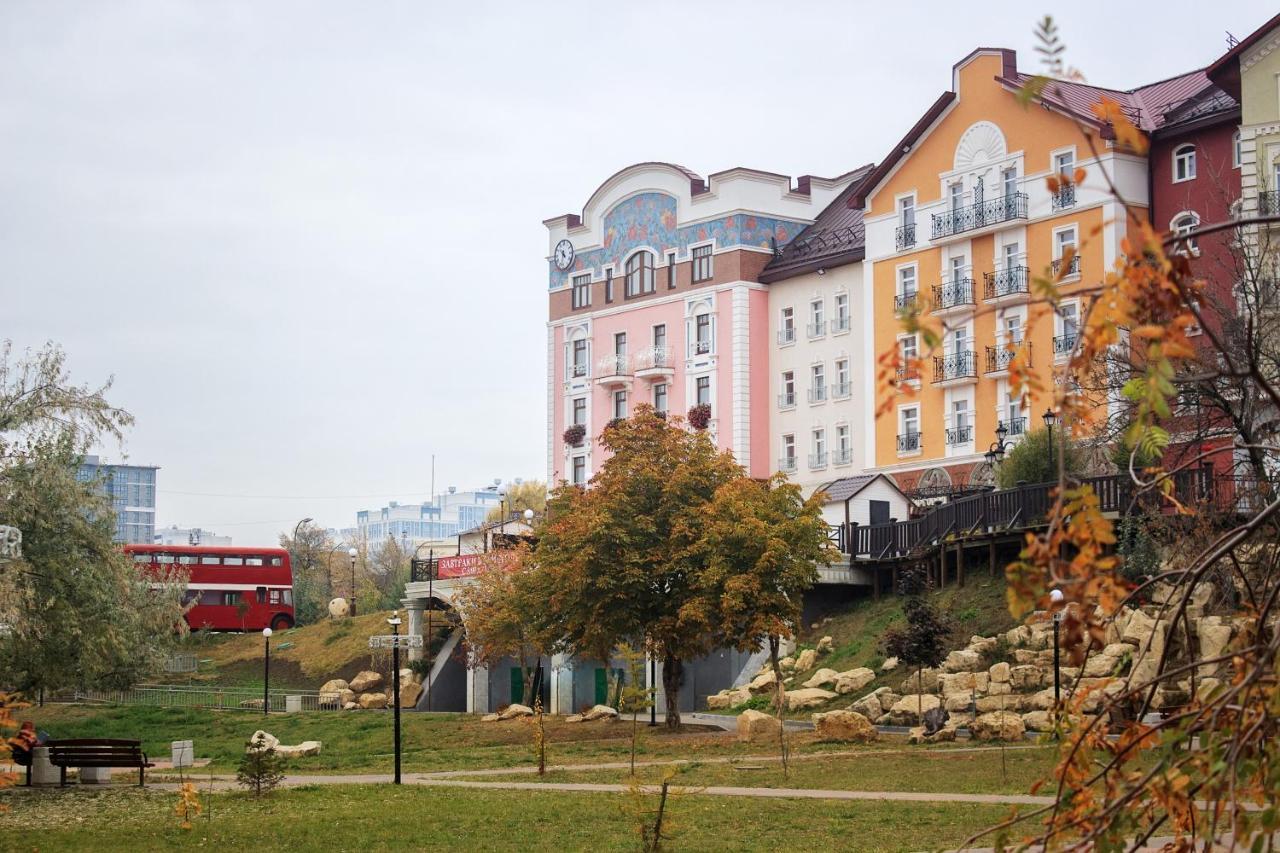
x=352, y=552
x=1055, y=596
x=995, y=453
x=1050, y=418
x=266, y=670
x=394, y=622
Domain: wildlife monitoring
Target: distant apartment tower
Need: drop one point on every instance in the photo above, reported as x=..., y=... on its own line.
x=175, y=535
x=132, y=489
x=430, y=521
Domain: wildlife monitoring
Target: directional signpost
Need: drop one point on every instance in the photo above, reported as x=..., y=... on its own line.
x=395, y=642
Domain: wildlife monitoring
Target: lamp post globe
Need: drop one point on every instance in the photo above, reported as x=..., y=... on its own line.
x=353, y=553
x=528, y=515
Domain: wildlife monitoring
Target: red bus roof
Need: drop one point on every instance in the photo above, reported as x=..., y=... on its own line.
x=205, y=549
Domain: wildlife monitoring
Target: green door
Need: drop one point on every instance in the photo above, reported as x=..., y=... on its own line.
x=517, y=684
x=602, y=686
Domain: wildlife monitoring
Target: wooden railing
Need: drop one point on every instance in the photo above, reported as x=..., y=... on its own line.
x=1021, y=507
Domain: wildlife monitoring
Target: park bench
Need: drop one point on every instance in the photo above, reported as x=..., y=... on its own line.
x=98, y=752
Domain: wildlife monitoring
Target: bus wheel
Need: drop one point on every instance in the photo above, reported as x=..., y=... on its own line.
x=281, y=622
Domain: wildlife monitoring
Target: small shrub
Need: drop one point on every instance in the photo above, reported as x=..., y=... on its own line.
x=763, y=702
x=261, y=769
x=421, y=668
x=1029, y=460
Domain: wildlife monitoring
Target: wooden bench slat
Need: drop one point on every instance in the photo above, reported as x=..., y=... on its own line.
x=98, y=752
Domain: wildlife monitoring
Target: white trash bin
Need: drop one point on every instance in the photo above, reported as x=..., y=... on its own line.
x=292, y=704
x=183, y=753
x=42, y=771
x=95, y=775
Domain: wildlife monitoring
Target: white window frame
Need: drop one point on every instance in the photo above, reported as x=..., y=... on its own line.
x=842, y=315
x=1184, y=159
x=666, y=397
x=902, y=427
x=1192, y=247
x=914, y=269
x=1055, y=156
x=844, y=445
x=902, y=204
x=1237, y=150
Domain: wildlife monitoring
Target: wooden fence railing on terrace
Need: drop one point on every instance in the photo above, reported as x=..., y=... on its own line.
x=1005, y=510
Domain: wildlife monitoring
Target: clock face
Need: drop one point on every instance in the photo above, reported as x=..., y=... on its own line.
x=564, y=254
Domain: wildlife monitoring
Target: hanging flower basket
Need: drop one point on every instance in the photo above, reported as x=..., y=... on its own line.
x=574, y=435
x=700, y=416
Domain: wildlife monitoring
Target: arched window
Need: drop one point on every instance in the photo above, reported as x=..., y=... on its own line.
x=1185, y=223
x=1184, y=163
x=640, y=273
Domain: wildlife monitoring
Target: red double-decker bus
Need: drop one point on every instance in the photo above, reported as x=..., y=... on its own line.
x=229, y=589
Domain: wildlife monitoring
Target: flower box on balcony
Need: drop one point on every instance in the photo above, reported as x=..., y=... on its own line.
x=574, y=435
x=700, y=416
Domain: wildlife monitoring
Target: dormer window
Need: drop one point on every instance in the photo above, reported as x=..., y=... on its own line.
x=1184, y=163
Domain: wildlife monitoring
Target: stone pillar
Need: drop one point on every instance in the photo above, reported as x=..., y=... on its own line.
x=478, y=690
x=561, y=685
x=654, y=666
x=414, y=607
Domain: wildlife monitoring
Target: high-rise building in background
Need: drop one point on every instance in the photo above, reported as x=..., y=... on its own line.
x=132, y=489
x=175, y=535
x=451, y=513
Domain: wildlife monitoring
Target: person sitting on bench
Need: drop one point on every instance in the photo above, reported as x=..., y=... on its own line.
x=22, y=746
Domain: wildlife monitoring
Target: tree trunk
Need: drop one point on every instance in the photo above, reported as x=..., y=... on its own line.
x=672, y=678
x=780, y=699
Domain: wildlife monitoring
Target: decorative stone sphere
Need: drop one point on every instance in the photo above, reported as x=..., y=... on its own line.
x=339, y=609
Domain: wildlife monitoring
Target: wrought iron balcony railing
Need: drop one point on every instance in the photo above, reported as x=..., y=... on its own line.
x=1007, y=282
x=970, y=217
x=1269, y=203
x=786, y=399
x=840, y=389
x=578, y=371
x=998, y=357
x=1017, y=426
x=905, y=236
x=818, y=394
x=904, y=301
x=957, y=365
x=909, y=443
x=651, y=357
x=818, y=329
x=614, y=365
x=787, y=464
x=960, y=435
x=1073, y=269
x=1065, y=197
x=787, y=335
x=1065, y=344
x=817, y=460
x=953, y=294
x=908, y=374
x=839, y=324
x=841, y=457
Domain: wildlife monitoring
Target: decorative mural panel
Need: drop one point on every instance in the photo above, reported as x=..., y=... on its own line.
x=649, y=219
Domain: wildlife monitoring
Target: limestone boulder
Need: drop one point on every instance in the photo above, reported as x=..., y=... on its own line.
x=957, y=682
x=981, y=645
x=946, y=734
x=1100, y=665
x=1215, y=637
x=990, y=704
x=997, y=726
x=844, y=726
x=353, y=705
x=365, y=681
x=719, y=702
x=1037, y=721
x=409, y=694
x=1040, y=701
x=924, y=681
x=261, y=740
x=408, y=676
x=786, y=664
x=572, y=718
x=1138, y=628
x=334, y=685
x=764, y=682
x=600, y=712
x=1205, y=688
x=808, y=697
x=371, y=701
x=999, y=672
x=514, y=710
x=805, y=660
x=889, y=665
x=909, y=710
x=999, y=688
x=1025, y=677
x=826, y=646
x=300, y=750
x=962, y=660
x=489, y=718
x=822, y=678
x=339, y=608
x=1024, y=656
x=958, y=702
x=870, y=705
x=853, y=680
x=758, y=727
x=1017, y=636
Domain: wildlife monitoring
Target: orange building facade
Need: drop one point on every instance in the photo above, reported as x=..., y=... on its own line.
x=959, y=222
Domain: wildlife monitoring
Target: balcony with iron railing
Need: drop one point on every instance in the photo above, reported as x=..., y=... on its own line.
x=1065, y=197
x=1065, y=344
x=840, y=324
x=960, y=435
x=956, y=367
x=579, y=370
x=840, y=390
x=909, y=442
x=908, y=374
x=842, y=456
x=905, y=301
x=1072, y=269
x=1269, y=203
x=1017, y=426
x=817, y=330
x=817, y=460
x=999, y=356
x=787, y=400
x=654, y=363
x=613, y=370
x=955, y=295
x=981, y=214
x=818, y=394
x=1008, y=282
x=787, y=335
x=787, y=464
x=904, y=237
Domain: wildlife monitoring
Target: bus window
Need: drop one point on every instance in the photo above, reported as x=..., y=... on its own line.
x=208, y=560
x=164, y=558
x=233, y=561
x=276, y=561
x=275, y=596
x=288, y=597
x=262, y=595
x=253, y=561
x=187, y=559
x=142, y=558
x=230, y=599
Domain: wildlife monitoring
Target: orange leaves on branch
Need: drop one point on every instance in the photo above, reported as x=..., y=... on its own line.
x=1109, y=112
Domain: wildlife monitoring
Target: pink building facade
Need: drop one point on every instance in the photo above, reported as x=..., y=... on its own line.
x=655, y=298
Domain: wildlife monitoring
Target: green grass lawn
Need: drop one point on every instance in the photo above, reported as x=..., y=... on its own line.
x=889, y=768
x=376, y=818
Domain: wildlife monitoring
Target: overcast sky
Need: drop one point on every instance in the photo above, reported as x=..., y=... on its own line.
x=305, y=238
